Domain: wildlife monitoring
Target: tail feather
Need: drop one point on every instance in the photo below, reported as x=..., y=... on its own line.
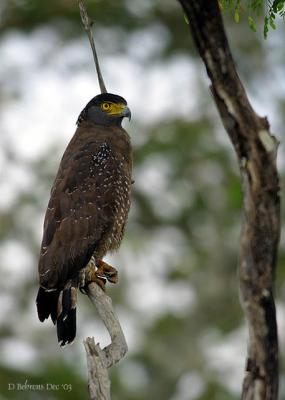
x=47, y=304
x=66, y=320
x=60, y=305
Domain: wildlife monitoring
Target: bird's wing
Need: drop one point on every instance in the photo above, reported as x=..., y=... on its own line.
x=74, y=220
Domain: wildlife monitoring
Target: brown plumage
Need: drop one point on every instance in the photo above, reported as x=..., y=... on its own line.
x=88, y=208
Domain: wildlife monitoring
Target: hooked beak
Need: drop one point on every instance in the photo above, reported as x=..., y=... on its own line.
x=127, y=113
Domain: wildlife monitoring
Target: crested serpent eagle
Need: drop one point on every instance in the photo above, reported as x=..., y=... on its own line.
x=87, y=211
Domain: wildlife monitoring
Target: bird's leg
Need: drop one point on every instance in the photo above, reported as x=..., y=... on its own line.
x=107, y=271
x=99, y=273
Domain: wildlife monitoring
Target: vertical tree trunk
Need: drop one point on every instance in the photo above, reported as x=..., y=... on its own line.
x=256, y=150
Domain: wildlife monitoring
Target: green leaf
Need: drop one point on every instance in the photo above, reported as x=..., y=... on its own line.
x=186, y=19
x=251, y=24
x=272, y=24
x=236, y=16
x=265, y=28
x=254, y=9
x=222, y=5
x=280, y=5
x=277, y=6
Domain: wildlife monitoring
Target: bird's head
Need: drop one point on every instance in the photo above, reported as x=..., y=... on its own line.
x=105, y=109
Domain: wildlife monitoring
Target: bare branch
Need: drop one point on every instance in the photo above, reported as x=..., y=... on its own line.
x=98, y=360
x=87, y=23
x=256, y=149
x=98, y=377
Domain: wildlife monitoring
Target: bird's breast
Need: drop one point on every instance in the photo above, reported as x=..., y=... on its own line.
x=112, y=173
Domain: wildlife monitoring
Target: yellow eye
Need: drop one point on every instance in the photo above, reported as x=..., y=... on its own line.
x=105, y=106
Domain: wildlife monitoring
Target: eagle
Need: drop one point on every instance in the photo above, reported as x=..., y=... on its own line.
x=87, y=211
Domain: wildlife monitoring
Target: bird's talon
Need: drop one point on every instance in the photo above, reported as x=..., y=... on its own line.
x=109, y=272
x=100, y=274
x=113, y=278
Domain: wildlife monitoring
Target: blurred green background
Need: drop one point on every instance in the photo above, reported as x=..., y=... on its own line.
x=177, y=297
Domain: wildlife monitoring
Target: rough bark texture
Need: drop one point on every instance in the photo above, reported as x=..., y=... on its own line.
x=98, y=360
x=256, y=149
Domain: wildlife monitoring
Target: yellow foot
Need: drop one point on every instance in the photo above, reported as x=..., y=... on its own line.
x=107, y=271
x=99, y=273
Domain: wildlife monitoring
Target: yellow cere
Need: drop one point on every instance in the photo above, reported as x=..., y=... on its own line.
x=113, y=108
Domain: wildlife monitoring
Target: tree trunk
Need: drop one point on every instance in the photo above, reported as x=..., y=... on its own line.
x=256, y=150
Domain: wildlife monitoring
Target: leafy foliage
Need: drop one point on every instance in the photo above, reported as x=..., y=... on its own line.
x=254, y=9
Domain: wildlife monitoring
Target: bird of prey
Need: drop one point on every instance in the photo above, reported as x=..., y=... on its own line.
x=87, y=211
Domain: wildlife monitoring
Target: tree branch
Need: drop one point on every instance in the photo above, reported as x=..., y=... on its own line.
x=256, y=149
x=87, y=23
x=98, y=360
